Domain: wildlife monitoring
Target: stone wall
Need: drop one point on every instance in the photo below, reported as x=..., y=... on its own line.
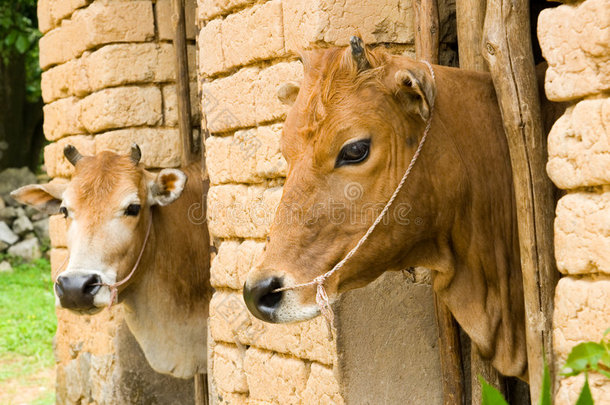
x=575, y=40
x=246, y=50
x=108, y=80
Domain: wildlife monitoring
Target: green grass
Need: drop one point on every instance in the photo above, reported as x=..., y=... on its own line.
x=27, y=321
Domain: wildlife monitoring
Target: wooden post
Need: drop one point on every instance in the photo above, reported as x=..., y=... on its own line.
x=189, y=148
x=470, y=18
x=427, y=48
x=201, y=389
x=508, y=51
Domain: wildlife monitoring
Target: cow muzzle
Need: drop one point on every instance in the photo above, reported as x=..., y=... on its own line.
x=77, y=292
x=260, y=299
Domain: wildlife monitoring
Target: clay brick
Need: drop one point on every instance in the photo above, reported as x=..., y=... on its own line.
x=121, y=107
x=57, y=231
x=209, y=9
x=231, y=322
x=160, y=147
x=569, y=389
x=233, y=262
x=248, y=97
x=582, y=313
x=275, y=378
x=62, y=118
x=322, y=387
x=170, y=105
x=249, y=156
x=268, y=107
x=228, y=369
x=309, y=22
x=163, y=13
x=241, y=211
x=211, y=52
x=100, y=23
x=51, y=12
x=582, y=232
x=67, y=79
x=57, y=165
x=264, y=38
x=578, y=146
x=575, y=41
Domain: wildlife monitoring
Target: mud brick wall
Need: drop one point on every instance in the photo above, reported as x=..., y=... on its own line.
x=575, y=40
x=108, y=81
x=246, y=50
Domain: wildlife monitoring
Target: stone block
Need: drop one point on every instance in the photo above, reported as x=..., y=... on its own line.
x=575, y=41
x=121, y=107
x=240, y=211
x=163, y=13
x=569, y=389
x=58, y=257
x=322, y=387
x=582, y=232
x=170, y=105
x=211, y=52
x=51, y=12
x=56, y=163
x=233, y=262
x=248, y=97
x=307, y=22
x=209, y=9
x=62, y=118
x=101, y=23
x=275, y=378
x=578, y=146
x=161, y=147
x=57, y=231
x=249, y=156
x=228, y=369
x=231, y=322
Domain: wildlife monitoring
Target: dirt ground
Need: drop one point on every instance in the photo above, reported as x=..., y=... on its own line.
x=32, y=389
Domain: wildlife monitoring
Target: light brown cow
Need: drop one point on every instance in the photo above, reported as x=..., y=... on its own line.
x=348, y=139
x=109, y=205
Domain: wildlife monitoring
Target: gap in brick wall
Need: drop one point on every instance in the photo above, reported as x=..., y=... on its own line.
x=234, y=10
x=261, y=64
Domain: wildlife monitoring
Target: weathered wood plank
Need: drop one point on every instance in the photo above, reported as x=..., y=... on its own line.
x=426, y=30
x=508, y=51
x=201, y=389
x=470, y=15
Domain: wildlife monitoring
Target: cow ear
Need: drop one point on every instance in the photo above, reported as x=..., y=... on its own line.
x=418, y=88
x=166, y=187
x=44, y=197
x=287, y=93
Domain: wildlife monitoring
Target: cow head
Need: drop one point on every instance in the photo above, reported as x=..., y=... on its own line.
x=349, y=137
x=106, y=207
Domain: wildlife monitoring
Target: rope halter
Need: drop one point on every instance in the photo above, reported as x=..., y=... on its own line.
x=321, y=296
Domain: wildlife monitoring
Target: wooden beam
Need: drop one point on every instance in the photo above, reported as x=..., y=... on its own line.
x=470, y=15
x=470, y=18
x=189, y=146
x=427, y=48
x=201, y=389
x=508, y=51
x=425, y=13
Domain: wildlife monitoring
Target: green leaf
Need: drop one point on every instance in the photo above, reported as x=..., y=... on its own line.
x=490, y=395
x=11, y=37
x=545, y=394
x=22, y=44
x=606, y=332
x=585, y=397
x=583, y=357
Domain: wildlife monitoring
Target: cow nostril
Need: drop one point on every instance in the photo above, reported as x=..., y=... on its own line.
x=261, y=300
x=59, y=289
x=92, y=285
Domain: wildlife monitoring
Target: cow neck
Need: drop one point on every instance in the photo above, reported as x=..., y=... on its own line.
x=321, y=296
x=114, y=288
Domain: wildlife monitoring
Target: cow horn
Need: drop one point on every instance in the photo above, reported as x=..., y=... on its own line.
x=359, y=53
x=136, y=153
x=72, y=154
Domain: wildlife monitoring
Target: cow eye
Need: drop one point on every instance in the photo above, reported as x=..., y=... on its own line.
x=132, y=210
x=353, y=153
x=63, y=211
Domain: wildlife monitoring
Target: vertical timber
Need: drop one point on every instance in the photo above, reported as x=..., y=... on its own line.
x=427, y=48
x=508, y=51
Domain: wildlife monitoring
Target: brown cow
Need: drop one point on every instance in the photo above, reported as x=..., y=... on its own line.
x=353, y=129
x=109, y=205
